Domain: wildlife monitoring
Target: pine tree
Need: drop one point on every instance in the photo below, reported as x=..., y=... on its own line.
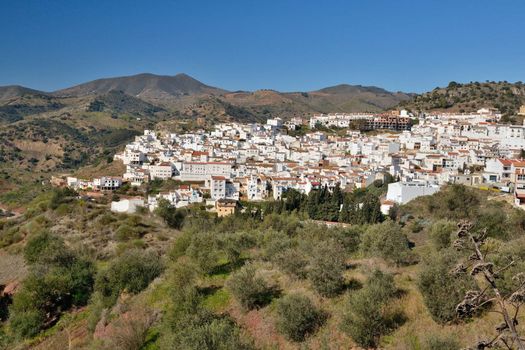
x=313, y=205
x=371, y=210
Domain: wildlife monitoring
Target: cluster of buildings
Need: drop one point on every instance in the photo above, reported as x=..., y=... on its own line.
x=103, y=183
x=255, y=162
x=396, y=121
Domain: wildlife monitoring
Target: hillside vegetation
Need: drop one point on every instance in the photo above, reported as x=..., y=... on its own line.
x=506, y=97
x=267, y=278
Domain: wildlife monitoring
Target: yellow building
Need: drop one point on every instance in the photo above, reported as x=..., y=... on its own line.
x=225, y=207
x=522, y=110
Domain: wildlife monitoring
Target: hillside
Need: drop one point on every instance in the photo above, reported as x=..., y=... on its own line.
x=505, y=96
x=262, y=104
x=16, y=102
x=60, y=134
x=118, y=102
x=15, y=91
x=181, y=278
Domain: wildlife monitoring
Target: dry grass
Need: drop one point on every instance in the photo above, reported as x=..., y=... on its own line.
x=12, y=268
x=116, y=168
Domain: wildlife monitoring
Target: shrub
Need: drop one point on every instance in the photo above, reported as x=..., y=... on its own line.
x=130, y=330
x=58, y=279
x=46, y=293
x=249, y=289
x=203, y=250
x=172, y=216
x=232, y=245
x=494, y=219
x=45, y=248
x=513, y=252
x=134, y=220
x=366, y=316
x=180, y=245
x=293, y=262
x=125, y=233
x=27, y=323
x=326, y=268
x=274, y=243
x=105, y=219
x=387, y=241
x=441, y=290
x=454, y=202
x=297, y=316
x=131, y=272
x=440, y=233
x=61, y=195
x=205, y=331
x=416, y=226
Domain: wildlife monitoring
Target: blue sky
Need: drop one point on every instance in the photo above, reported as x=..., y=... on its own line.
x=407, y=45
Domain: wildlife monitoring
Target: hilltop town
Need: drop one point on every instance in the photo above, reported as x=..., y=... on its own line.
x=256, y=162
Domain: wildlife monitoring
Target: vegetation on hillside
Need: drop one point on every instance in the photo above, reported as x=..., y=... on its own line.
x=506, y=97
x=256, y=279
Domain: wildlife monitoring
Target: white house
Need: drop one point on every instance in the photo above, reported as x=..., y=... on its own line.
x=404, y=192
x=107, y=183
x=128, y=206
x=256, y=188
x=163, y=171
x=498, y=170
x=218, y=187
x=201, y=171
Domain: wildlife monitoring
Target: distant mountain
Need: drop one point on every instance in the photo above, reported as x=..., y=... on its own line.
x=147, y=86
x=182, y=92
x=456, y=97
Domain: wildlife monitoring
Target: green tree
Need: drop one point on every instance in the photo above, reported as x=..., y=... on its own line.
x=455, y=202
x=131, y=272
x=172, y=216
x=366, y=316
x=312, y=206
x=442, y=291
x=370, y=211
x=203, y=250
x=249, y=289
x=386, y=240
x=293, y=262
x=58, y=280
x=205, y=331
x=441, y=233
x=326, y=268
x=297, y=317
x=334, y=204
x=45, y=248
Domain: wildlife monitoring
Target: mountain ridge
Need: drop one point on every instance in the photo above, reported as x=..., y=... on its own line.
x=188, y=97
x=143, y=84
x=136, y=85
